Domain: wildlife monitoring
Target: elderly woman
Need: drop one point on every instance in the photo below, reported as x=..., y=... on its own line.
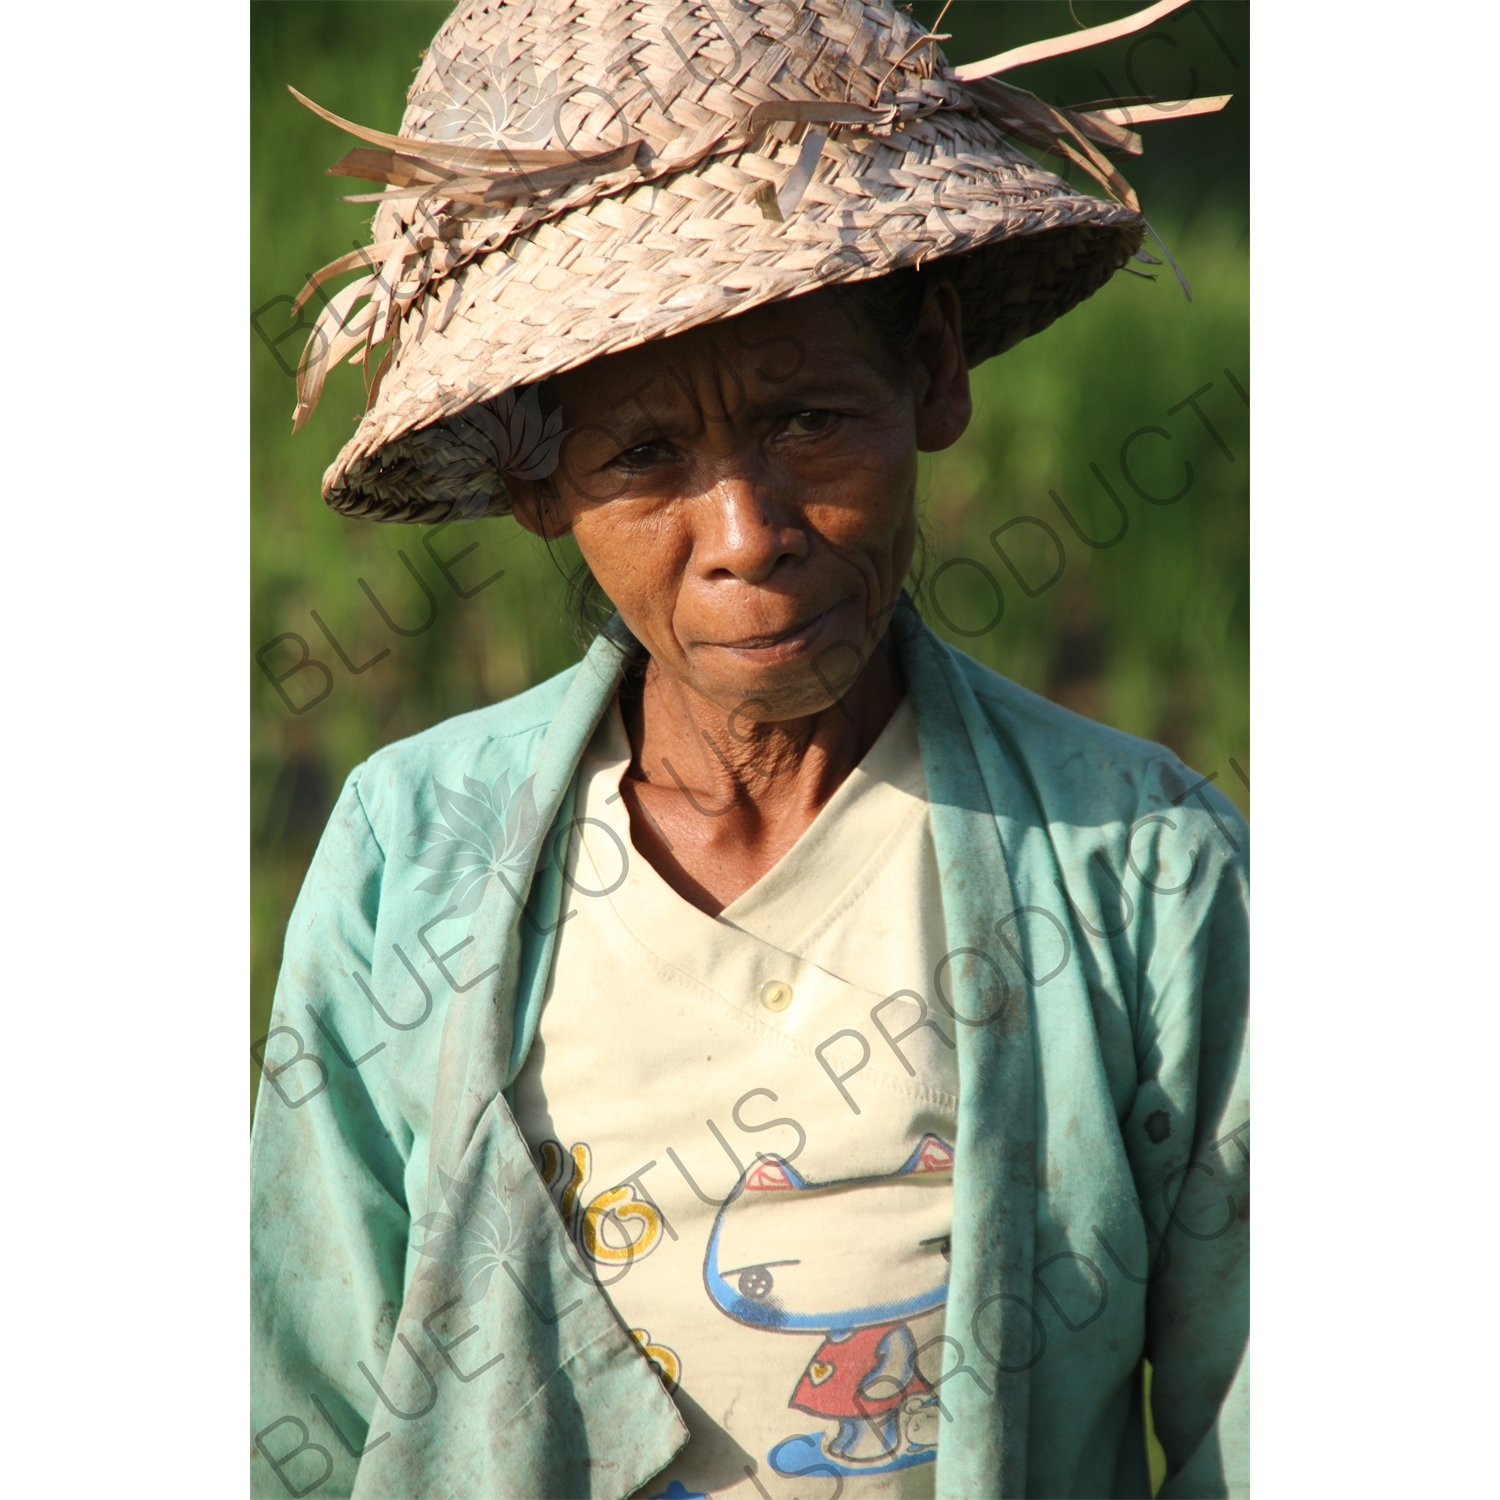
x=778, y=1050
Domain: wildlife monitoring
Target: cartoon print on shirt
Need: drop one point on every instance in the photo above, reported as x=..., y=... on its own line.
x=615, y=1227
x=666, y=1362
x=854, y=1261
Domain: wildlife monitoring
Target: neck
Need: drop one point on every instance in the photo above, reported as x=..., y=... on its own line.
x=714, y=802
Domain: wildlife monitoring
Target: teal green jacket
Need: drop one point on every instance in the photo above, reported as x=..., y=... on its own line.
x=422, y=1325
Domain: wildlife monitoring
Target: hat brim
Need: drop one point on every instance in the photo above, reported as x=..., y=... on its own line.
x=1020, y=246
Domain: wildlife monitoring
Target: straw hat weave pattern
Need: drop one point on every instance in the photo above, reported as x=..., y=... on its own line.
x=575, y=177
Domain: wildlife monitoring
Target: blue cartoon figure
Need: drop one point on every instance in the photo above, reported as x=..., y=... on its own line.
x=853, y=1261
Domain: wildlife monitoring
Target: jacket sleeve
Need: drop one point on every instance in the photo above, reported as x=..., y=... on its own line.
x=329, y=1220
x=1188, y=1135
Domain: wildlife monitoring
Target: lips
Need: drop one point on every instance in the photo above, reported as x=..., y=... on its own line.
x=789, y=639
x=778, y=638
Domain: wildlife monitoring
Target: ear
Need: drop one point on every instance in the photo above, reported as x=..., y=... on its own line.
x=537, y=507
x=945, y=405
x=931, y=1155
x=772, y=1175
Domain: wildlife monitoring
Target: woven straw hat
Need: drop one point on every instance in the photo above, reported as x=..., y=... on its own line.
x=574, y=177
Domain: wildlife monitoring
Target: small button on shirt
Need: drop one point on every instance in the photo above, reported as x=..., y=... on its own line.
x=747, y=1121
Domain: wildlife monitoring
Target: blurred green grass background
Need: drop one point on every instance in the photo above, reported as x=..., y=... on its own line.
x=1150, y=634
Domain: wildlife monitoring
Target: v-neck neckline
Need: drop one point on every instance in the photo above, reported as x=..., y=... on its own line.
x=833, y=858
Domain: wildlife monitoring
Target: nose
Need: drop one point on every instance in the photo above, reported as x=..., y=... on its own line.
x=746, y=533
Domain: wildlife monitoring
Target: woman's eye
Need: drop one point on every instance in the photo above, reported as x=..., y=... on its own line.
x=808, y=423
x=642, y=456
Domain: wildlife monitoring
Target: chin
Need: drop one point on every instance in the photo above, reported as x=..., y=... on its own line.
x=790, y=691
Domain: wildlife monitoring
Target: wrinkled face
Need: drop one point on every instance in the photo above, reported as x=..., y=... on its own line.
x=745, y=494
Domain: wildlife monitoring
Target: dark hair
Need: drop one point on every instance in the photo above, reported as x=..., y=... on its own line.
x=892, y=304
x=588, y=605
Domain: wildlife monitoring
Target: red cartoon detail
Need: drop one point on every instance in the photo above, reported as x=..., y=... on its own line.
x=932, y=1156
x=769, y=1175
x=833, y=1386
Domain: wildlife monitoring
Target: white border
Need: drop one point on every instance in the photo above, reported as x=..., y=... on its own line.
x=126, y=598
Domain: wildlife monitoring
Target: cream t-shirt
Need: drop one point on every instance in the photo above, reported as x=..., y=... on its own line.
x=747, y=1124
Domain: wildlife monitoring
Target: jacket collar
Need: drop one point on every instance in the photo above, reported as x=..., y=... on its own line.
x=609, y=1425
